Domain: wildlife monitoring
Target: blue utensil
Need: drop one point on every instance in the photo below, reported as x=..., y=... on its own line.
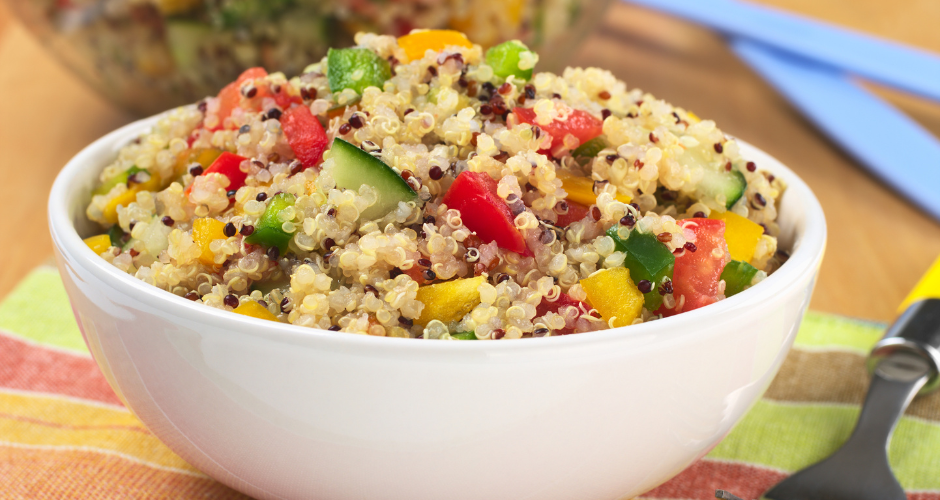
x=883, y=61
x=886, y=141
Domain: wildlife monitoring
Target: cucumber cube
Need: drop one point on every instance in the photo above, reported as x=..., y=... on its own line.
x=354, y=167
x=729, y=185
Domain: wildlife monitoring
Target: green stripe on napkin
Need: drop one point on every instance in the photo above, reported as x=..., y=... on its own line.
x=827, y=331
x=38, y=309
x=789, y=436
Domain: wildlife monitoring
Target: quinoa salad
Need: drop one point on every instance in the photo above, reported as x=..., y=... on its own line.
x=421, y=187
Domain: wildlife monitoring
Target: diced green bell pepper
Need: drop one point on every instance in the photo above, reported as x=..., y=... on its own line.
x=590, y=149
x=647, y=259
x=465, y=336
x=229, y=15
x=120, y=178
x=738, y=276
x=504, y=59
x=185, y=38
x=268, y=230
x=356, y=69
x=115, y=234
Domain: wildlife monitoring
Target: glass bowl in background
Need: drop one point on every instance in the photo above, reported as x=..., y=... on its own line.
x=151, y=55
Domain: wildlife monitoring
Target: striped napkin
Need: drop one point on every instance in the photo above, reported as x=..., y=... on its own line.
x=64, y=434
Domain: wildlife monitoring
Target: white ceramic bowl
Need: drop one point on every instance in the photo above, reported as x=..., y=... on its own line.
x=279, y=411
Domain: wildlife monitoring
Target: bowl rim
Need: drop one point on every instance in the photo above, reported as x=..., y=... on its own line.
x=803, y=260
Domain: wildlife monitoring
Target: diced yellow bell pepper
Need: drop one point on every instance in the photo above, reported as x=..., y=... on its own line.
x=614, y=295
x=927, y=288
x=255, y=310
x=202, y=156
x=99, y=243
x=173, y=7
x=152, y=184
x=205, y=231
x=741, y=233
x=514, y=11
x=581, y=189
x=125, y=199
x=449, y=301
x=480, y=25
x=417, y=43
x=467, y=24
x=128, y=197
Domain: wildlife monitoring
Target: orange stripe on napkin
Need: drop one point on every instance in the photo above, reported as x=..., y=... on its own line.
x=32, y=367
x=68, y=473
x=48, y=421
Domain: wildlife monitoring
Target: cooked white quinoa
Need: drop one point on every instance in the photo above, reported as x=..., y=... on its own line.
x=359, y=276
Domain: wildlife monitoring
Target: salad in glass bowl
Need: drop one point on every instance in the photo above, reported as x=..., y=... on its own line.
x=150, y=55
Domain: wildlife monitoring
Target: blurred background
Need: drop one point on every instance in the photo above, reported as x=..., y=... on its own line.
x=72, y=70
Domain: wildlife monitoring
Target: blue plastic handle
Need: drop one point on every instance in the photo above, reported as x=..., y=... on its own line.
x=886, y=141
x=890, y=63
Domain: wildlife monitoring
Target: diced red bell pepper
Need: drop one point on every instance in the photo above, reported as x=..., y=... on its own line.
x=563, y=300
x=228, y=165
x=230, y=96
x=484, y=212
x=401, y=26
x=305, y=135
x=576, y=212
x=282, y=98
x=417, y=274
x=697, y=274
x=580, y=124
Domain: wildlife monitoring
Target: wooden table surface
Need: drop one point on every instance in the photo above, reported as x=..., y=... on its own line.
x=878, y=243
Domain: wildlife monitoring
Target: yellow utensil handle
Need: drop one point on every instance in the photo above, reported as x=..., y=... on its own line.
x=927, y=288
